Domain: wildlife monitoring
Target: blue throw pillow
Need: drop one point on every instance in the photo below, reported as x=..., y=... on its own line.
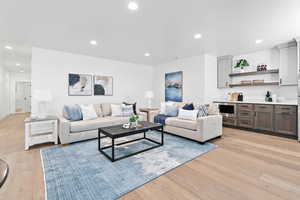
x=171, y=111
x=73, y=113
x=188, y=106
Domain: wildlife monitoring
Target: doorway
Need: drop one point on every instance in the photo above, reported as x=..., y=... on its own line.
x=23, y=97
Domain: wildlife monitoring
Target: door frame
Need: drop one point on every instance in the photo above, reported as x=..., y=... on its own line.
x=13, y=100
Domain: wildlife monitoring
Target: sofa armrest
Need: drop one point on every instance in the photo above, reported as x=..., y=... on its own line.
x=152, y=114
x=64, y=129
x=210, y=126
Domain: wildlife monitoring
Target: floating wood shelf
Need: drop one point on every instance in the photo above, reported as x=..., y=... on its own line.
x=271, y=71
x=254, y=84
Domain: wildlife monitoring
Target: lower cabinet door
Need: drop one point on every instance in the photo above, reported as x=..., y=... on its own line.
x=263, y=120
x=245, y=122
x=285, y=123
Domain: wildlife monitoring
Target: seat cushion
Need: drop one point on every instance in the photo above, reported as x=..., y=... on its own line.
x=88, y=125
x=181, y=123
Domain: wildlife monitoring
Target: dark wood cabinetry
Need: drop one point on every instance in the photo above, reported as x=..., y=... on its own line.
x=263, y=117
x=277, y=119
x=245, y=115
x=286, y=120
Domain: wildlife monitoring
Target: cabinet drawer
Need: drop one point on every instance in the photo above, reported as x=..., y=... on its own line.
x=248, y=107
x=38, y=128
x=245, y=114
x=229, y=121
x=286, y=109
x=263, y=108
x=245, y=122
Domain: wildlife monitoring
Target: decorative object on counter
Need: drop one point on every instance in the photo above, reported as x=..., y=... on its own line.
x=241, y=64
x=134, y=119
x=240, y=97
x=268, y=97
x=262, y=67
x=233, y=96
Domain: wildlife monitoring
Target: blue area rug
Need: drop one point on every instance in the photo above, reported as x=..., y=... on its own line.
x=80, y=172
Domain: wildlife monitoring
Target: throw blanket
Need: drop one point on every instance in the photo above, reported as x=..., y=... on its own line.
x=160, y=118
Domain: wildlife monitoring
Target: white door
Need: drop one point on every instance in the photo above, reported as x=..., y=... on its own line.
x=23, y=97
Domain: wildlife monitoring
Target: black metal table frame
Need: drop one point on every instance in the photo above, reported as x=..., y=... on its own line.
x=134, y=132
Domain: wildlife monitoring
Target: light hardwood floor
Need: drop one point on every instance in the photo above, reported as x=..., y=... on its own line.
x=246, y=165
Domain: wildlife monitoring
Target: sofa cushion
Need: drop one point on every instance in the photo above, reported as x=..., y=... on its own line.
x=88, y=112
x=188, y=114
x=106, y=109
x=88, y=125
x=72, y=112
x=98, y=110
x=181, y=123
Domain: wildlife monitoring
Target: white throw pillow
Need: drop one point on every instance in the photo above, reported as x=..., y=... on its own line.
x=188, y=114
x=127, y=110
x=162, y=108
x=88, y=112
x=116, y=110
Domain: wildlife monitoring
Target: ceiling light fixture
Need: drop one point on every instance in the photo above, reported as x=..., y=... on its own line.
x=8, y=47
x=147, y=54
x=132, y=5
x=94, y=42
x=18, y=64
x=21, y=71
x=258, y=41
x=197, y=36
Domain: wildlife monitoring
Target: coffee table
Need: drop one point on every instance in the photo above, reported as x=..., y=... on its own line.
x=118, y=131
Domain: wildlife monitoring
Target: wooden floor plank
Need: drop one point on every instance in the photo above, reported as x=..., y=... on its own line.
x=246, y=165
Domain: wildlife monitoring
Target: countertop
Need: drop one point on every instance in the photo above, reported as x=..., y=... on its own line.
x=288, y=103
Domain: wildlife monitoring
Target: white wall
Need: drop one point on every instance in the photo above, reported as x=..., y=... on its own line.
x=50, y=71
x=15, y=77
x=4, y=90
x=193, y=79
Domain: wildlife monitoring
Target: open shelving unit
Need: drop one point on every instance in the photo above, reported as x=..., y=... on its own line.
x=271, y=71
x=254, y=84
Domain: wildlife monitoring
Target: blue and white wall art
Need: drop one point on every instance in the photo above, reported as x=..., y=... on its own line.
x=173, y=86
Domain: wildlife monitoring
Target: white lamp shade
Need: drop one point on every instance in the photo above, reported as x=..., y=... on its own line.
x=149, y=94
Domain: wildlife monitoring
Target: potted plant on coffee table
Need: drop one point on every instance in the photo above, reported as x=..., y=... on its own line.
x=134, y=119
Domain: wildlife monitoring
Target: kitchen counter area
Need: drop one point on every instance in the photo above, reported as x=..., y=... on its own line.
x=288, y=103
x=276, y=118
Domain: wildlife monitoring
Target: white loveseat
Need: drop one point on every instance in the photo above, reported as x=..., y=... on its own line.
x=201, y=130
x=73, y=131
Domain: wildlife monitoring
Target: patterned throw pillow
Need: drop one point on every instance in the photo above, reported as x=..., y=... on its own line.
x=203, y=111
x=127, y=110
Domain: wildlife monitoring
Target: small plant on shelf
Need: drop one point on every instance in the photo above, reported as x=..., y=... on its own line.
x=241, y=64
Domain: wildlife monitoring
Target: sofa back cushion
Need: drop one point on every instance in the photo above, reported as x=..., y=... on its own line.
x=72, y=112
x=116, y=110
x=106, y=109
x=188, y=114
x=88, y=112
x=98, y=110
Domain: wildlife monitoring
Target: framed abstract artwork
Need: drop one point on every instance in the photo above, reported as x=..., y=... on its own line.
x=103, y=85
x=80, y=85
x=173, y=86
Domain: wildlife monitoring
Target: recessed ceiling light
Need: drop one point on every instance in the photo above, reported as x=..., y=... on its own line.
x=94, y=42
x=258, y=41
x=21, y=71
x=18, y=64
x=147, y=54
x=197, y=36
x=8, y=47
x=132, y=5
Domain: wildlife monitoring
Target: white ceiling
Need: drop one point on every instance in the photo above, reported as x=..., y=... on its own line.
x=165, y=28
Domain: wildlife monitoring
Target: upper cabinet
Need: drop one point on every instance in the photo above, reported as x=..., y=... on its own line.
x=224, y=69
x=288, y=63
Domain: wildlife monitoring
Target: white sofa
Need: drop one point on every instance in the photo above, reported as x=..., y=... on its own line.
x=201, y=130
x=73, y=131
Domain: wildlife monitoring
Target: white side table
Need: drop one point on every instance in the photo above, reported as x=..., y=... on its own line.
x=38, y=131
